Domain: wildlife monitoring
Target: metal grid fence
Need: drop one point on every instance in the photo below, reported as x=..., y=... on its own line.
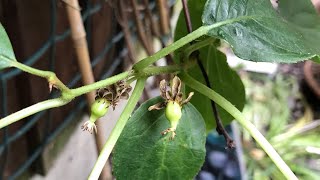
x=50, y=46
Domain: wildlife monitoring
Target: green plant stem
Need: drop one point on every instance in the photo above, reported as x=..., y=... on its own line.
x=115, y=134
x=68, y=95
x=183, y=41
x=198, y=45
x=165, y=51
x=50, y=76
x=32, y=110
x=99, y=84
x=231, y=109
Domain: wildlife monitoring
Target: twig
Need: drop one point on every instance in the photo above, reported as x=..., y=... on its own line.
x=187, y=15
x=164, y=18
x=220, y=128
x=141, y=34
x=121, y=16
x=154, y=29
x=80, y=44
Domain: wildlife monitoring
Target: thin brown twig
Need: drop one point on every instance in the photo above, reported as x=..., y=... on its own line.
x=220, y=128
x=154, y=29
x=140, y=30
x=122, y=19
x=164, y=17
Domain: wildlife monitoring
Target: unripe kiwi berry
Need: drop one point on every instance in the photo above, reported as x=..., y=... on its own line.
x=173, y=113
x=99, y=108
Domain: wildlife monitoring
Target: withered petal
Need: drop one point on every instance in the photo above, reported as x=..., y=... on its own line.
x=176, y=86
x=188, y=99
x=163, y=88
x=157, y=106
x=128, y=89
x=124, y=95
x=169, y=96
x=178, y=97
x=108, y=95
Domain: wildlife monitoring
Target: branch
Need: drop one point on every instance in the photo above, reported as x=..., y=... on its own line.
x=231, y=109
x=52, y=103
x=51, y=77
x=66, y=97
x=203, y=30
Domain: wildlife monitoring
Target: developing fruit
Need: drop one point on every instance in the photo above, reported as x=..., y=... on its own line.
x=173, y=113
x=98, y=109
x=173, y=104
x=105, y=97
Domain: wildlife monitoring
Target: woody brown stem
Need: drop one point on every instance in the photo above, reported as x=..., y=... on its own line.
x=140, y=30
x=154, y=29
x=164, y=17
x=123, y=21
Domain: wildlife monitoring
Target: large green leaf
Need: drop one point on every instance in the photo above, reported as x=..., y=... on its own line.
x=223, y=79
x=258, y=32
x=303, y=16
x=6, y=51
x=143, y=153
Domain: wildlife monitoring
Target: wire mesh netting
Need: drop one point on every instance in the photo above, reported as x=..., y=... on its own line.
x=49, y=47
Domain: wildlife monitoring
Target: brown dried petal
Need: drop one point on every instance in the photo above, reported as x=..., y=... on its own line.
x=128, y=89
x=168, y=96
x=176, y=86
x=157, y=106
x=124, y=95
x=89, y=126
x=178, y=98
x=163, y=89
x=108, y=95
x=188, y=99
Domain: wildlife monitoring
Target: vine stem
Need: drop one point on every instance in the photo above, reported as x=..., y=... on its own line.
x=72, y=93
x=203, y=30
x=231, y=109
x=115, y=134
x=50, y=76
x=52, y=103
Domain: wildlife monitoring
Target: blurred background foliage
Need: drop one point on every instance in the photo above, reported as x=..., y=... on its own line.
x=278, y=109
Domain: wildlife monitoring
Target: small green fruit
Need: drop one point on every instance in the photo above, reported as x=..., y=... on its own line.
x=99, y=108
x=173, y=113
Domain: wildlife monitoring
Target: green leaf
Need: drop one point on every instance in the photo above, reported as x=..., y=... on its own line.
x=303, y=16
x=6, y=51
x=143, y=153
x=257, y=32
x=222, y=78
x=225, y=81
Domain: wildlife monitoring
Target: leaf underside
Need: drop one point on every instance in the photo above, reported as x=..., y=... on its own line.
x=262, y=34
x=143, y=153
x=6, y=50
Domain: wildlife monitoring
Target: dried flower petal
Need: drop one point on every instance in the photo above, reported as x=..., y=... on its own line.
x=173, y=133
x=176, y=87
x=163, y=88
x=114, y=92
x=157, y=106
x=89, y=126
x=188, y=98
x=178, y=97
